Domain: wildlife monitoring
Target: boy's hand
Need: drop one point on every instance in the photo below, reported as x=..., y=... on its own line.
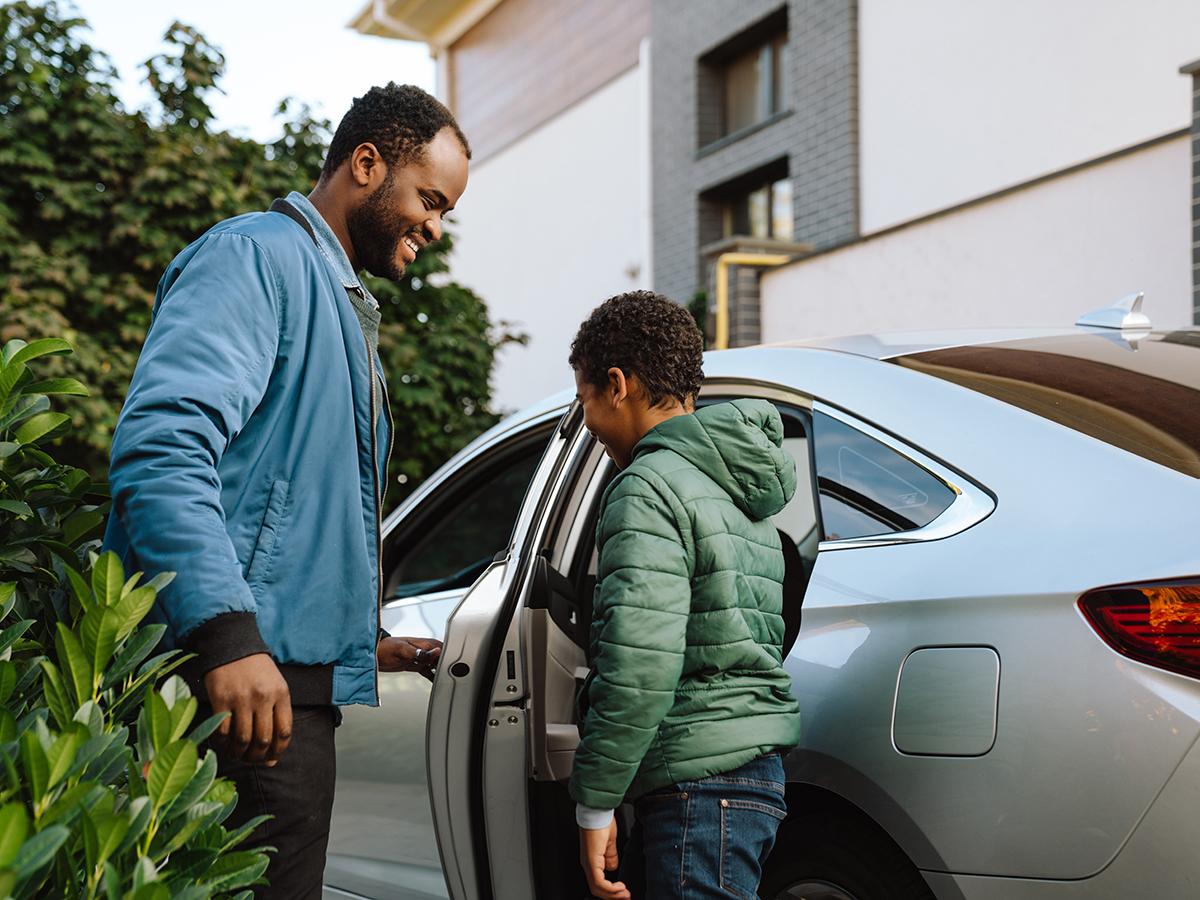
x=597, y=853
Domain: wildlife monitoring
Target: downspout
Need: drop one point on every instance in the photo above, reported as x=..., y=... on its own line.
x=724, y=261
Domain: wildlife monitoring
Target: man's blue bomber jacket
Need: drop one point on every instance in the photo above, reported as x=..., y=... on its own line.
x=245, y=460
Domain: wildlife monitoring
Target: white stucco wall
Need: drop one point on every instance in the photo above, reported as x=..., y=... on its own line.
x=959, y=100
x=552, y=225
x=1043, y=255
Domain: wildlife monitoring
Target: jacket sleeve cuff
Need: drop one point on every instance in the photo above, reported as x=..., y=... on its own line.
x=225, y=639
x=592, y=819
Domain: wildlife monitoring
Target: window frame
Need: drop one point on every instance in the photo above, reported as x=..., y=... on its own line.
x=971, y=505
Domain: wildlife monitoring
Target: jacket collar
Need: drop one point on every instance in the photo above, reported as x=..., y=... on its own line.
x=327, y=242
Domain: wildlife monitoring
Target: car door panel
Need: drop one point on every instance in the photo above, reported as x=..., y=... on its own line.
x=382, y=839
x=476, y=742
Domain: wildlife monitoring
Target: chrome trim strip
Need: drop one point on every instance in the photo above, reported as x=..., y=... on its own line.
x=971, y=506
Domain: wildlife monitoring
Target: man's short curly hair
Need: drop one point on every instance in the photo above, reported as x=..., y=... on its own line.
x=400, y=120
x=645, y=335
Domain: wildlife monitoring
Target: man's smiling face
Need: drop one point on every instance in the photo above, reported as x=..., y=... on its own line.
x=405, y=212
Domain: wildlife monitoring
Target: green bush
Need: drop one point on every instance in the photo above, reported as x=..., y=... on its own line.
x=104, y=792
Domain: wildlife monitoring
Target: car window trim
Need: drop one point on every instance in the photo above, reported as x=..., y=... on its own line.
x=971, y=505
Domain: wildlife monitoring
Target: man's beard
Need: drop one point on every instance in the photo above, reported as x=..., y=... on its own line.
x=376, y=232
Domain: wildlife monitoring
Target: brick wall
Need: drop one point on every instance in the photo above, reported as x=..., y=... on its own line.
x=1194, y=71
x=817, y=133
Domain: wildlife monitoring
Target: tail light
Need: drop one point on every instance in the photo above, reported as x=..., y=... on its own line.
x=1158, y=624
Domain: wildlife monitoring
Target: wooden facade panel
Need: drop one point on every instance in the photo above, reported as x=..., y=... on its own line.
x=530, y=59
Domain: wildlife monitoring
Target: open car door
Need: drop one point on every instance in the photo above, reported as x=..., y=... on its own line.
x=476, y=736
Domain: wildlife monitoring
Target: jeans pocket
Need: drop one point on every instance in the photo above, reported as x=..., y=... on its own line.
x=747, y=835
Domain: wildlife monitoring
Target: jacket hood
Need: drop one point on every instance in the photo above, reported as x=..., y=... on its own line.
x=739, y=445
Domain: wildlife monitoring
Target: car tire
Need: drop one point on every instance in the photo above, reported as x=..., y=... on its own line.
x=832, y=855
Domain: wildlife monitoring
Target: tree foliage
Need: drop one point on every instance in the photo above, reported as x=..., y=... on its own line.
x=88, y=807
x=95, y=201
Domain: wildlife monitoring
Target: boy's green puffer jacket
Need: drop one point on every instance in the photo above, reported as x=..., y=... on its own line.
x=687, y=676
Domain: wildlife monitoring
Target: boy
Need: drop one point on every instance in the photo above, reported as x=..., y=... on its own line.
x=688, y=706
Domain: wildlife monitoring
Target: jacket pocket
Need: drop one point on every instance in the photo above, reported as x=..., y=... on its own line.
x=259, y=570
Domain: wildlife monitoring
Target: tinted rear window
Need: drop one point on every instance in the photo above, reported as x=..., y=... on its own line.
x=1142, y=396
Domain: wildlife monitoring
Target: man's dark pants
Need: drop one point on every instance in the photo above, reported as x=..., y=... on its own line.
x=298, y=792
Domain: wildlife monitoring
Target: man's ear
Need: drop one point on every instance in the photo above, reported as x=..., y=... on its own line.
x=618, y=386
x=367, y=167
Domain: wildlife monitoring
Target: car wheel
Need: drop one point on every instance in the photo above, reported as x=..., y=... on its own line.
x=831, y=855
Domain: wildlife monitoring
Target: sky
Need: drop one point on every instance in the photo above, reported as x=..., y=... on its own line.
x=273, y=50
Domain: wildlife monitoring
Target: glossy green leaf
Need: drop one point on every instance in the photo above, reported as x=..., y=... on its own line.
x=170, y=772
x=18, y=508
x=62, y=752
x=75, y=661
x=83, y=593
x=8, y=598
x=58, y=386
x=204, y=730
x=66, y=805
x=188, y=865
x=20, y=558
x=144, y=873
x=108, y=577
x=43, y=426
x=154, y=891
x=39, y=850
x=8, y=680
x=14, y=826
x=98, y=632
x=79, y=525
x=132, y=608
x=9, y=635
x=43, y=347
x=8, y=726
x=140, y=811
x=131, y=655
x=8, y=882
x=205, y=775
x=157, y=720
x=236, y=870
x=35, y=765
x=9, y=376
x=92, y=717
x=161, y=580
x=58, y=698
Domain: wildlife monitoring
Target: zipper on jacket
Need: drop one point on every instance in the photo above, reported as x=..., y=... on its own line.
x=378, y=493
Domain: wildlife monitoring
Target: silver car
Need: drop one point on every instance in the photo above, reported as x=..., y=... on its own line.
x=997, y=555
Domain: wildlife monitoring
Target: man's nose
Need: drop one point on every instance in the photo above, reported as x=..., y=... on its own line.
x=433, y=228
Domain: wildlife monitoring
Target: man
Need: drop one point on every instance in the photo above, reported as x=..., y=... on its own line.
x=250, y=455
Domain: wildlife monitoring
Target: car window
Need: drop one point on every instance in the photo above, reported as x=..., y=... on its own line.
x=453, y=542
x=867, y=488
x=1141, y=398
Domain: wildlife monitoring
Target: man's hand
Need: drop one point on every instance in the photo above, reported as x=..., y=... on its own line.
x=255, y=694
x=408, y=654
x=597, y=853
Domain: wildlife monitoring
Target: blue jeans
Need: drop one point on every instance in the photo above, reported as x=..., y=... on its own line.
x=707, y=838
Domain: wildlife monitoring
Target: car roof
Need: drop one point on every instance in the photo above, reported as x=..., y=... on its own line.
x=888, y=345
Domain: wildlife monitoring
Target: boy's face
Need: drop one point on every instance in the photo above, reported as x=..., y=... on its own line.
x=610, y=415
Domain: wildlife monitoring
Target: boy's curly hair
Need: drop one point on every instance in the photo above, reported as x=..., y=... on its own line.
x=400, y=120
x=646, y=335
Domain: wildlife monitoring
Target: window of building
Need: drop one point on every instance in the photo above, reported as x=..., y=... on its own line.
x=762, y=212
x=744, y=81
x=753, y=85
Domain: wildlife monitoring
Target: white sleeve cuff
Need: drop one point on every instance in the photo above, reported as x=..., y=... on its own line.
x=591, y=818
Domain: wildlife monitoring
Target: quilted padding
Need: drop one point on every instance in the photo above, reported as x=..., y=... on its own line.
x=688, y=678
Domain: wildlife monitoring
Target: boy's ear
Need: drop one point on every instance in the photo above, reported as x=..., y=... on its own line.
x=618, y=386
